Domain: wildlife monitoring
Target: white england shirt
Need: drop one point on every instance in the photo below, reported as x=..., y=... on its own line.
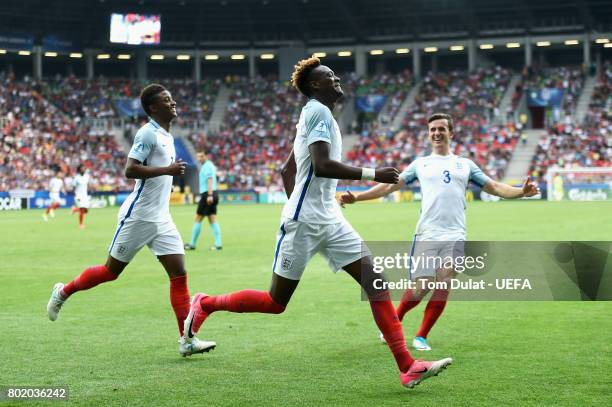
x=444, y=181
x=55, y=185
x=313, y=199
x=153, y=146
x=80, y=185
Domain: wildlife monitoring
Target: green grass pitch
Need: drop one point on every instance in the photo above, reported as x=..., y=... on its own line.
x=117, y=344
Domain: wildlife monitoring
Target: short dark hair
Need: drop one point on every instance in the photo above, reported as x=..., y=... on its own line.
x=438, y=116
x=147, y=96
x=301, y=71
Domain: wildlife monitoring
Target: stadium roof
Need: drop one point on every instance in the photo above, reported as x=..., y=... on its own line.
x=248, y=23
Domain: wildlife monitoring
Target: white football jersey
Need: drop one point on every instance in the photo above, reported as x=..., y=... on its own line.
x=55, y=185
x=150, y=199
x=444, y=181
x=80, y=184
x=313, y=199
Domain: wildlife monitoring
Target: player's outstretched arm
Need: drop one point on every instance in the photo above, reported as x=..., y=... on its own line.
x=325, y=167
x=506, y=191
x=135, y=170
x=377, y=191
x=288, y=171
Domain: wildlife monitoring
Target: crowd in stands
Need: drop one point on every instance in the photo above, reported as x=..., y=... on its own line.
x=86, y=99
x=42, y=128
x=257, y=132
x=473, y=101
x=394, y=86
x=38, y=139
x=586, y=145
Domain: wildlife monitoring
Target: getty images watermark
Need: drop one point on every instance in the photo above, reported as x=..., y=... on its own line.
x=494, y=270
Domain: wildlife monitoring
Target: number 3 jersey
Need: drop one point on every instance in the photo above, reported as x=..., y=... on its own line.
x=444, y=181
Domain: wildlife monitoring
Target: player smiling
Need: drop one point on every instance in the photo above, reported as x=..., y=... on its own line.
x=312, y=222
x=144, y=217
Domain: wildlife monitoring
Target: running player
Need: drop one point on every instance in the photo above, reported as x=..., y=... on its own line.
x=443, y=177
x=312, y=222
x=81, y=199
x=144, y=217
x=56, y=186
x=207, y=206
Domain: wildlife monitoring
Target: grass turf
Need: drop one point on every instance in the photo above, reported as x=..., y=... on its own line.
x=116, y=344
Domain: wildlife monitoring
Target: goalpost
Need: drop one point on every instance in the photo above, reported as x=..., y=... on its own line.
x=579, y=184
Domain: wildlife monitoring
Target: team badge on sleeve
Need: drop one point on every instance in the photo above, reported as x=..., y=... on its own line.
x=321, y=127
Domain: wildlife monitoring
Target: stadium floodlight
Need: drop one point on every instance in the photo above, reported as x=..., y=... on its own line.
x=24, y=53
x=486, y=46
x=377, y=52
x=211, y=57
x=238, y=57
x=543, y=43
x=124, y=56
x=2, y=51
x=402, y=51
x=345, y=53
x=157, y=57
x=76, y=55
x=571, y=42
x=50, y=54
x=457, y=48
x=608, y=45
x=267, y=56
x=319, y=54
x=431, y=49
x=602, y=41
x=183, y=57
x=513, y=45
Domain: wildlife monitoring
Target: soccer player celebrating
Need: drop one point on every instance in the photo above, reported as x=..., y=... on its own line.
x=444, y=178
x=144, y=217
x=207, y=206
x=312, y=222
x=56, y=185
x=81, y=199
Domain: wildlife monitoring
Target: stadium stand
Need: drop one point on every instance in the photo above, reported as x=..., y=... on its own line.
x=472, y=99
x=587, y=145
x=37, y=138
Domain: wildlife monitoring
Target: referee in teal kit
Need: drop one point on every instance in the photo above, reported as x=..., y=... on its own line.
x=209, y=198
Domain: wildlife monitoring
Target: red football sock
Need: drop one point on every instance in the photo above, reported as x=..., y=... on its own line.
x=82, y=212
x=89, y=278
x=434, y=309
x=179, y=298
x=407, y=303
x=242, y=301
x=391, y=327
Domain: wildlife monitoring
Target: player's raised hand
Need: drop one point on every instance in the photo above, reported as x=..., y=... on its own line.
x=347, y=198
x=530, y=188
x=177, y=168
x=387, y=175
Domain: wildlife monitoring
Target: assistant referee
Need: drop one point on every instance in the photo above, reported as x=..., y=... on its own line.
x=207, y=206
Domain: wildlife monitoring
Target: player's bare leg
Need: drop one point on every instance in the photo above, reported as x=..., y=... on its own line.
x=411, y=372
x=174, y=264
